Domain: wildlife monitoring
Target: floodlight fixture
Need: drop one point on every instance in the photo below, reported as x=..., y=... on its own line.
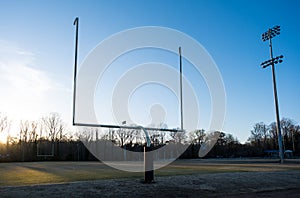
x=272, y=32
x=275, y=60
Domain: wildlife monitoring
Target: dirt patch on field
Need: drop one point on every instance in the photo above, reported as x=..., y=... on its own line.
x=247, y=184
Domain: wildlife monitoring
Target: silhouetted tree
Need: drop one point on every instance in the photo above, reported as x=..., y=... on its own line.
x=123, y=136
x=198, y=136
x=259, y=134
x=178, y=137
x=53, y=126
x=3, y=122
x=266, y=137
x=273, y=135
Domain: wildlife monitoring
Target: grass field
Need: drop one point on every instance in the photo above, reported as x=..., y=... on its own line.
x=31, y=173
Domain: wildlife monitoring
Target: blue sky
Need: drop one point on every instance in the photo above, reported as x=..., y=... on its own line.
x=37, y=49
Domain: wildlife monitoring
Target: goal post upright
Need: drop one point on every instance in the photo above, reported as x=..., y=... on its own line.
x=76, y=22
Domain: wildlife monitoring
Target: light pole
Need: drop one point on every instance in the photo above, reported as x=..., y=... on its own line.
x=272, y=32
x=181, y=105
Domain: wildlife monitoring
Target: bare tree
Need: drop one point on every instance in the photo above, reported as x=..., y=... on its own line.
x=33, y=131
x=53, y=126
x=109, y=135
x=222, y=139
x=198, y=136
x=5, y=125
x=268, y=134
x=289, y=128
x=3, y=122
x=89, y=134
x=24, y=130
x=124, y=136
x=295, y=130
x=28, y=131
x=259, y=133
x=273, y=135
x=158, y=137
x=230, y=139
x=179, y=137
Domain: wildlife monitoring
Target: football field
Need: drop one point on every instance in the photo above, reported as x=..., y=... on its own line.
x=182, y=177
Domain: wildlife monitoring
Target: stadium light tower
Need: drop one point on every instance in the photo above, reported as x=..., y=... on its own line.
x=272, y=32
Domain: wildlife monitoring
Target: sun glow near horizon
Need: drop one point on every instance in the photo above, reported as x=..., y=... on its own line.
x=27, y=93
x=3, y=138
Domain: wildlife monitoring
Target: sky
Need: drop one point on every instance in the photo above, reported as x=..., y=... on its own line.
x=37, y=54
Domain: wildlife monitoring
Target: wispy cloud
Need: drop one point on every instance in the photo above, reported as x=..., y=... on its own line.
x=25, y=90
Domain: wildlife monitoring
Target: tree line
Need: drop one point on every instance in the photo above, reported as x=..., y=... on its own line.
x=265, y=136
x=49, y=139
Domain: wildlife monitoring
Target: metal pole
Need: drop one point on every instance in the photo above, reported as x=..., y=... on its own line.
x=181, y=106
x=281, y=154
x=148, y=165
x=76, y=22
x=148, y=159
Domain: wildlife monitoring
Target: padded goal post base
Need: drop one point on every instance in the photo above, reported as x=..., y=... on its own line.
x=148, y=165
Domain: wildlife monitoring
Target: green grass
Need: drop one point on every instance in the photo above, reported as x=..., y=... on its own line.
x=31, y=173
